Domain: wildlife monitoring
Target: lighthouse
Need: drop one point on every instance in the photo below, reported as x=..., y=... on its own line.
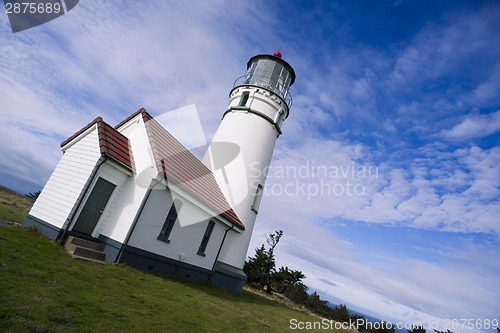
x=241, y=151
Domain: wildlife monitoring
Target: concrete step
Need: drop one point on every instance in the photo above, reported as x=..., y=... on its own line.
x=75, y=241
x=89, y=254
x=84, y=249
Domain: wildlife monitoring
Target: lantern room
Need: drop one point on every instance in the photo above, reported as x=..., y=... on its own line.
x=270, y=72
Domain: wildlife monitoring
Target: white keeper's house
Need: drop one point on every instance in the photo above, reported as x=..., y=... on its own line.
x=133, y=194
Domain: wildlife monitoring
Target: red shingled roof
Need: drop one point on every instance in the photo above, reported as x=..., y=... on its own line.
x=179, y=164
x=111, y=142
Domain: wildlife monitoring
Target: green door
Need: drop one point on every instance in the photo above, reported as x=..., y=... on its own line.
x=94, y=207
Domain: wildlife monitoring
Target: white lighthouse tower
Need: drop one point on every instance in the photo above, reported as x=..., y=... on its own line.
x=242, y=148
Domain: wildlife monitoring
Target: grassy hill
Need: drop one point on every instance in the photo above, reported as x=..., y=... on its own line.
x=13, y=206
x=43, y=289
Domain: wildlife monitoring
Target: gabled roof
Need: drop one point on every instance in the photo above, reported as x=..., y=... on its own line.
x=177, y=163
x=111, y=142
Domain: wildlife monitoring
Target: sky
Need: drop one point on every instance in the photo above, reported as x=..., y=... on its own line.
x=386, y=180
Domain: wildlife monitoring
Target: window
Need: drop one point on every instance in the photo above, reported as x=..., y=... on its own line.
x=250, y=72
x=256, y=199
x=206, y=237
x=244, y=98
x=170, y=221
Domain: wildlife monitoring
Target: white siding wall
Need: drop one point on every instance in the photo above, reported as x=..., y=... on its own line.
x=185, y=237
x=133, y=190
x=59, y=195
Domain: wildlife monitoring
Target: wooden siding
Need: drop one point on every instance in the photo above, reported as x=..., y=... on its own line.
x=67, y=181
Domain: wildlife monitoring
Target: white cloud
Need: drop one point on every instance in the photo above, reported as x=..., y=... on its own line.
x=445, y=50
x=474, y=126
x=486, y=92
x=455, y=191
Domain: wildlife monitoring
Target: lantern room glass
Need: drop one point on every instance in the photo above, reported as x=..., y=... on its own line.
x=269, y=74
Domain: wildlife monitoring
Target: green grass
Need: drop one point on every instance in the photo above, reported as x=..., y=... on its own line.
x=43, y=289
x=13, y=206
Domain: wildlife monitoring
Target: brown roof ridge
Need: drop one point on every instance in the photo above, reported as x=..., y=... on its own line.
x=133, y=115
x=111, y=142
x=71, y=138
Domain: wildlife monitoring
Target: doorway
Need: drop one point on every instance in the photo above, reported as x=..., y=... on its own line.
x=93, y=208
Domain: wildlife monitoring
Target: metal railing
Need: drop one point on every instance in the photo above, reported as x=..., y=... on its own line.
x=272, y=86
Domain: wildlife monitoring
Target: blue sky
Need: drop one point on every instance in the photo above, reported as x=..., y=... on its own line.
x=407, y=88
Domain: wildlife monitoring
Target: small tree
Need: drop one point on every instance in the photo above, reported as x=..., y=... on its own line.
x=297, y=293
x=261, y=269
x=285, y=278
x=258, y=269
x=417, y=329
x=33, y=195
x=341, y=313
x=316, y=304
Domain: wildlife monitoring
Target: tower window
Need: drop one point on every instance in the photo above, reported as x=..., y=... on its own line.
x=256, y=199
x=170, y=221
x=206, y=237
x=244, y=98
